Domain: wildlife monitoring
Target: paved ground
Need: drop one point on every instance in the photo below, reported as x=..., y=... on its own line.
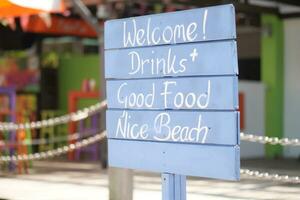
x=86, y=181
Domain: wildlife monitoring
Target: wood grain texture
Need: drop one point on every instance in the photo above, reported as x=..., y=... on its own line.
x=212, y=161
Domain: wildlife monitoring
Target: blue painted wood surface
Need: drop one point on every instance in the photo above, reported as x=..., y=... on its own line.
x=212, y=161
x=180, y=187
x=168, y=186
x=214, y=93
x=174, y=126
x=192, y=59
x=173, y=187
x=204, y=24
x=178, y=72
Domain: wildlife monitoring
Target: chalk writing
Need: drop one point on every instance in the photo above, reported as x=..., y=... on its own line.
x=177, y=99
x=174, y=93
x=173, y=60
x=163, y=130
x=204, y=24
x=173, y=126
x=153, y=35
x=166, y=65
x=208, y=24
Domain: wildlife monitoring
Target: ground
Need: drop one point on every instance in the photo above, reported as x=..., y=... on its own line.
x=56, y=180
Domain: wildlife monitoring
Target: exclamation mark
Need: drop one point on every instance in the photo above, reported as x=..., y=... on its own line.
x=204, y=24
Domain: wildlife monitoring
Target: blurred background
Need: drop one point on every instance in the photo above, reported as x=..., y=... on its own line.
x=51, y=63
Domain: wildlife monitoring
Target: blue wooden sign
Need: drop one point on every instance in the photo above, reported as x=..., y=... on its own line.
x=172, y=92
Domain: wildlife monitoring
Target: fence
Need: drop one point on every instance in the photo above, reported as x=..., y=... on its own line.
x=87, y=112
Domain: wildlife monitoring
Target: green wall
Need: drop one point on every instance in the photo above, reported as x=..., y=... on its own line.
x=71, y=71
x=272, y=75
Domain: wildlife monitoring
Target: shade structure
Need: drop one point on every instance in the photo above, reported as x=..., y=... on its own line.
x=15, y=8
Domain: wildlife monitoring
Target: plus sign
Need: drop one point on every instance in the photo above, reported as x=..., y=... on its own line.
x=194, y=54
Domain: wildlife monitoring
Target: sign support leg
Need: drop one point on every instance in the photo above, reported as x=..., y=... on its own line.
x=173, y=187
x=120, y=184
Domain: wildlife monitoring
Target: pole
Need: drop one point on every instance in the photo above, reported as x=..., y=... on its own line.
x=173, y=187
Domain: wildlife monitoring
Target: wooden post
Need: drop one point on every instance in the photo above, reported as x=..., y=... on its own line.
x=173, y=187
x=120, y=184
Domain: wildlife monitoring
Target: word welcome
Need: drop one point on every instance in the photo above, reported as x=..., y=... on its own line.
x=160, y=129
x=132, y=99
x=134, y=36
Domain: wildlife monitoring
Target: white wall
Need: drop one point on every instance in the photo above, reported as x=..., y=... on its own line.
x=292, y=83
x=254, y=93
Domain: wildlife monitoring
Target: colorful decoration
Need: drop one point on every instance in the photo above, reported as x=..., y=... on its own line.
x=9, y=115
x=20, y=109
x=20, y=71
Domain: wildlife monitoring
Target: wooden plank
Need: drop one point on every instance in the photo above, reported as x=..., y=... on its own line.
x=204, y=24
x=191, y=59
x=212, y=161
x=174, y=126
x=214, y=93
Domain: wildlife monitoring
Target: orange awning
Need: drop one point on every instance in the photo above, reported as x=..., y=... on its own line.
x=15, y=8
x=58, y=26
